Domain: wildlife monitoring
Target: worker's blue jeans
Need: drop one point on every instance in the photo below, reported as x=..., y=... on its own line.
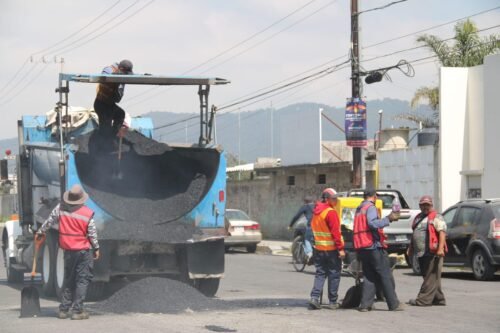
x=308, y=239
x=328, y=265
x=377, y=272
x=78, y=272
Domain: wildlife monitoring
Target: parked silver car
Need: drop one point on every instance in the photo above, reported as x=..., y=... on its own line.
x=241, y=231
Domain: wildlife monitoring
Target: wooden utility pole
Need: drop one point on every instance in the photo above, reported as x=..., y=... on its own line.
x=356, y=87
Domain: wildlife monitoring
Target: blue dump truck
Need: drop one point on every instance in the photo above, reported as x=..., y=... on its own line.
x=159, y=208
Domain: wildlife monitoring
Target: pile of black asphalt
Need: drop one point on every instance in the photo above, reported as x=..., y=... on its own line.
x=162, y=295
x=149, y=190
x=156, y=295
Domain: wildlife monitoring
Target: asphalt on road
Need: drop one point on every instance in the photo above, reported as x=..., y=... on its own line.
x=262, y=293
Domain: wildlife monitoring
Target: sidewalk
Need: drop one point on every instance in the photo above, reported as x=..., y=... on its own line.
x=275, y=248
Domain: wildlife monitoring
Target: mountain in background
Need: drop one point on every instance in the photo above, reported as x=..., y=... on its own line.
x=251, y=136
x=255, y=134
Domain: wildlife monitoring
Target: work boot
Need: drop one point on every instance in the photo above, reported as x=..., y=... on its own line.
x=314, y=304
x=63, y=314
x=332, y=306
x=400, y=307
x=80, y=315
x=360, y=309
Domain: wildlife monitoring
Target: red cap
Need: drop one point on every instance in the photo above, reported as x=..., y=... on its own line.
x=426, y=199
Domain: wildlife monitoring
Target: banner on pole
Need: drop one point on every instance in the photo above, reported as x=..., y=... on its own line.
x=355, y=123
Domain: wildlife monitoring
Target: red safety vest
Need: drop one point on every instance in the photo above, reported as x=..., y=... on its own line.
x=73, y=228
x=323, y=240
x=362, y=234
x=433, y=235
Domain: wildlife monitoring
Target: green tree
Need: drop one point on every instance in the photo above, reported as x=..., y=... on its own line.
x=468, y=49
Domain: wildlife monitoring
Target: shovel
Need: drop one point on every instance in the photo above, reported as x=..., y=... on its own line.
x=30, y=299
x=118, y=171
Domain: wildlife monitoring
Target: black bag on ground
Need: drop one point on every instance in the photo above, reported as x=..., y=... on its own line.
x=352, y=297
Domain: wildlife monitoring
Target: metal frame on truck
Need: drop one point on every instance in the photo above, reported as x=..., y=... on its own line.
x=47, y=166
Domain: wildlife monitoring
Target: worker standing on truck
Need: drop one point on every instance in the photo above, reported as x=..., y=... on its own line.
x=368, y=239
x=110, y=115
x=78, y=239
x=329, y=246
x=306, y=210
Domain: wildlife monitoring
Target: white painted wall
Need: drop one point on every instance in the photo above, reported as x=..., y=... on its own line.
x=453, y=107
x=470, y=130
x=411, y=171
x=491, y=176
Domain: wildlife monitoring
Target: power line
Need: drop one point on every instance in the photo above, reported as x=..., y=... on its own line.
x=79, y=30
x=430, y=28
x=243, y=51
x=423, y=46
x=381, y=7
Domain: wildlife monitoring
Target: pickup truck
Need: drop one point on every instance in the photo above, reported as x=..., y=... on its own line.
x=398, y=232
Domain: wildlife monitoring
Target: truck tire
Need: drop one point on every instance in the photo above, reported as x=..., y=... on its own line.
x=95, y=291
x=47, y=264
x=481, y=267
x=58, y=270
x=13, y=275
x=207, y=287
x=252, y=248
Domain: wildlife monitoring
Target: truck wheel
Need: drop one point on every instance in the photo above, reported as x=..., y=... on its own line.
x=481, y=267
x=47, y=257
x=207, y=287
x=13, y=275
x=95, y=291
x=252, y=248
x=58, y=270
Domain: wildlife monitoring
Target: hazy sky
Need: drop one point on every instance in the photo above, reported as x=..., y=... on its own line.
x=171, y=37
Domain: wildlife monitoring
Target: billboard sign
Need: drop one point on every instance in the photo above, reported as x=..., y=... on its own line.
x=355, y=123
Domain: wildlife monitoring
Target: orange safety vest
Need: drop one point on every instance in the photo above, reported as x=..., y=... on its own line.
x=362, y=233
x=73, y=228
x=433, y=235
x=323, y=239
x=106, y=91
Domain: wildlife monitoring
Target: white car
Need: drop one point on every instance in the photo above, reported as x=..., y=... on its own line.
x=241, y=230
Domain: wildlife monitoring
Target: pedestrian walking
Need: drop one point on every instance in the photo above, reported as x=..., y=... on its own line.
x=329, y=248
x=306, y=210
x=369, y=243
x=78, y=239
x=428, y=243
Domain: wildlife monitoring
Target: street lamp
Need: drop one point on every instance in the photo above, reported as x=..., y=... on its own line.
x=380, y=112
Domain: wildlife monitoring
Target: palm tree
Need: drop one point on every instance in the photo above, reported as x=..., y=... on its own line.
x=468, y=50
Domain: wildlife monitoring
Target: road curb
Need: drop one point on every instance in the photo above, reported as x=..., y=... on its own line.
x=274, y=249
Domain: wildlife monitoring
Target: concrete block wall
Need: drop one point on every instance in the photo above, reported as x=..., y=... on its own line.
x=273, y=203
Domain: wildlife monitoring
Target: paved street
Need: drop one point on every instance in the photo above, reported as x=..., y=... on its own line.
x=263, y=293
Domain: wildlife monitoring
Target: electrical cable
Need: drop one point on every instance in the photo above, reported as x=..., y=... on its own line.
x=430, y=28
x=239, y=53
x=381, y=7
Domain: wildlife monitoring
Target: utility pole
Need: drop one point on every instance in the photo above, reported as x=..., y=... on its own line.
x=356, y=87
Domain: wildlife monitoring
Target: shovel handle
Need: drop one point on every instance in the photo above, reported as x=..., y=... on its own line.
x=38, y=241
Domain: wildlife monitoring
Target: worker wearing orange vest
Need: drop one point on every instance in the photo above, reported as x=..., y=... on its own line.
x=428, y=243
x=329, y=249
x=368, y=241
x=78, y=239
x=110, y=115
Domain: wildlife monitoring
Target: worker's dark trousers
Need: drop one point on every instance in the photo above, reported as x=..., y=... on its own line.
x=78, y=267
x=377, y=271
x=328, y=265
x=110, y=116
x=430, y=291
